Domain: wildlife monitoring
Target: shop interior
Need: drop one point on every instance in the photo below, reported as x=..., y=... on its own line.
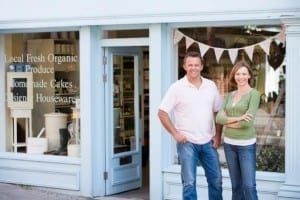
x=43, y=97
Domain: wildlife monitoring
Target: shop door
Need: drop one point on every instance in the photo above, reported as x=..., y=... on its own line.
x=123, y=148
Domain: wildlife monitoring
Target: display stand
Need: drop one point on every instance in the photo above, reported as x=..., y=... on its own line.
x=20, y=102
x=19, y=114
x=74, y=142
x=76, y=121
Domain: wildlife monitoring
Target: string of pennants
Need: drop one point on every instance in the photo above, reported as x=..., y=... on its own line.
x=233, y=52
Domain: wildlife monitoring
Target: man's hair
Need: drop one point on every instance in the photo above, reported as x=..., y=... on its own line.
x=192, y=54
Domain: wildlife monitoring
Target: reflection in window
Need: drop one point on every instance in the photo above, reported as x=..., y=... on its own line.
x=44, y=69
x=269, y=80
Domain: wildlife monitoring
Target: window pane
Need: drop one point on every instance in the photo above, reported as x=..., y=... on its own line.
x=124, y=102
x=269, y=80
x=42, y=92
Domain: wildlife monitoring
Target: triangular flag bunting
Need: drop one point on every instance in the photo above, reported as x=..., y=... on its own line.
x=277, y=42
x=218, y=53
x=188, y=42
x=203, y=48
x=177, y=36
x=233, y=54
x=281, y=37
x=249, y=50
x=265, y=45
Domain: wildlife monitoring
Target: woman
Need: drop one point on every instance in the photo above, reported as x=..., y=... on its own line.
x=237, y=114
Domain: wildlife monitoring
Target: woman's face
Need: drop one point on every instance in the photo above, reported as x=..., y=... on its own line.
x=242, y=76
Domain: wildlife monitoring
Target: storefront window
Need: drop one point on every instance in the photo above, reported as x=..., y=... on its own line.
x=43, y=97
x=263, y=48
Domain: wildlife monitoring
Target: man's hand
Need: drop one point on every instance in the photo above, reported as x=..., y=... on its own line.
x=216, y=141
x=179, y=138
x=167, y=123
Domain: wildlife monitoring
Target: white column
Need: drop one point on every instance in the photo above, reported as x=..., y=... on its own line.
x=158, y=76
x=3, y=96
x=291, y=187
x=85, y=105
x=91, y=113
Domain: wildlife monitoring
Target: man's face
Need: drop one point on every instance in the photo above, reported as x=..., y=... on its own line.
x=193, y=66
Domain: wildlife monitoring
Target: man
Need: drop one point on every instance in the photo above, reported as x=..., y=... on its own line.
x=194, y=101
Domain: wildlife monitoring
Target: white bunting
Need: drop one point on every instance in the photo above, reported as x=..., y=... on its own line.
x=177, y=36
x=218, y=53
x=188, y=42
x=277, y=42
x=233, y=54
x=281, y=37
x=203, y=48
x=265, y=45
x=249, y=50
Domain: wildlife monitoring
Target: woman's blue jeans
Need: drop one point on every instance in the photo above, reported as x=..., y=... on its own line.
x=241, y=162
x=189, y=155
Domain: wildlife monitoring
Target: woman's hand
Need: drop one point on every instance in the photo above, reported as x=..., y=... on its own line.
x=247, y=117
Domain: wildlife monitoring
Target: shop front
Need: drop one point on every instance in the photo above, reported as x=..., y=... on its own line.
x=46, y=136
x=80, y=95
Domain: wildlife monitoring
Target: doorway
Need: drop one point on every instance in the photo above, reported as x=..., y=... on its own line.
x=127, y=109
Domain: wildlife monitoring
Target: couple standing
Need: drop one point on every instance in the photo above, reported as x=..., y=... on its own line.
x=195, y=103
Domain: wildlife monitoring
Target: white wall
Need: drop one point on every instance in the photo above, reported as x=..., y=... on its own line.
x=39, y=170
x=21, y=9
x=2, y=96
x=21, y=13
x=268, y=184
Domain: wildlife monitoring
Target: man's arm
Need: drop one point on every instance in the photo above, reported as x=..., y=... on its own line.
x=167, y=123
x=217, y=138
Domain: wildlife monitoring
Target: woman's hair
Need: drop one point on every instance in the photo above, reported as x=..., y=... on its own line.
x=236, y=67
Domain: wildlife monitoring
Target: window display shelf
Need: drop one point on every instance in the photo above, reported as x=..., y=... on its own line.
x=60, y=91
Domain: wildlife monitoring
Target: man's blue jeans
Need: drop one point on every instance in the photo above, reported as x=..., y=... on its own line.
x=189, y=155
x=241, y=162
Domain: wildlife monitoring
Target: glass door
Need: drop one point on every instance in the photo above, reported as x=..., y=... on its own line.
x=123, y=135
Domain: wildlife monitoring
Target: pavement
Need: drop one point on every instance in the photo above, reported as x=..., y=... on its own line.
x=24, y=192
